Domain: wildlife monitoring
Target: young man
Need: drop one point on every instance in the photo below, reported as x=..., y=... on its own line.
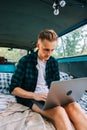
x=31, y=82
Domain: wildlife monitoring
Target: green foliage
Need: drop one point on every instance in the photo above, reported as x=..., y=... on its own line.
x=73, y=43
x=12, y=55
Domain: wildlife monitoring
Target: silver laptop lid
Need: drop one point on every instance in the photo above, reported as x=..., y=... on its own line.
x=65, y=92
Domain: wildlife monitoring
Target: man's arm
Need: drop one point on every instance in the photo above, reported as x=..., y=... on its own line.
x=30, y=95
x=22, y=93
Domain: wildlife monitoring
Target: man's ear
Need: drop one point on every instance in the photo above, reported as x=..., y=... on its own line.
x=37, y=46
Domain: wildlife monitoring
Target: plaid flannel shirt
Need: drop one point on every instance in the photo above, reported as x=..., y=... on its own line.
x=26, y=74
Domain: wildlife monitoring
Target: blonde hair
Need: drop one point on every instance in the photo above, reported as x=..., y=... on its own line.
x=48, y=35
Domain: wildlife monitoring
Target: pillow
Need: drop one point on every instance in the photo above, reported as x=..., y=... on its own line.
x=5, y=80
x=65, y=76
x=83, y=102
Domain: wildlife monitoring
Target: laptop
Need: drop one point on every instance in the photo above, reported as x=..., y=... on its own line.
x=64, y=92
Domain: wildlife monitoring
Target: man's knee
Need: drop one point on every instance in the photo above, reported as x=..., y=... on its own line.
x=59, y=111
x=73, y=107
x=55, y=112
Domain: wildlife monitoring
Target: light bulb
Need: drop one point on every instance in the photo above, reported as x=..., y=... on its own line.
x=54, y=5
x=62, y=3
x=56, y=11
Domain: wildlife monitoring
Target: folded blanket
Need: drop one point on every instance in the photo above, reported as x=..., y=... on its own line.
x=19, y=117
x=4, y=99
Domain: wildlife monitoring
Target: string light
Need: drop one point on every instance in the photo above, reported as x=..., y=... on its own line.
x=57, y=4
x=62, y=3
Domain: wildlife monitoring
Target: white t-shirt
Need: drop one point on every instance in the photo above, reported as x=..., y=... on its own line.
x=41, y=86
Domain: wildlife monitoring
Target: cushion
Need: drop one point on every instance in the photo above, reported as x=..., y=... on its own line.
x=65, y=76
x=5, y=80
x=83, y=102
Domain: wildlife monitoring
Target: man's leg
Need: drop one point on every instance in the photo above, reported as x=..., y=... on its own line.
x=77, y=116
x=57, y=116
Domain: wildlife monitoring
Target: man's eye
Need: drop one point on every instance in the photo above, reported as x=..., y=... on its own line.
x=48, y=50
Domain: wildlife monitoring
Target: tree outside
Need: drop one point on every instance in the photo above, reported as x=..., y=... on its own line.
x=12, y=55
x=72, y=44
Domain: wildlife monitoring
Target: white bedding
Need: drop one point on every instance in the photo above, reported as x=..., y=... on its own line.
x=4, y=101
x=19, y=117
x=15, y=116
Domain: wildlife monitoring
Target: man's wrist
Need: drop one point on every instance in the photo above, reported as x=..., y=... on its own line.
x=32, y=95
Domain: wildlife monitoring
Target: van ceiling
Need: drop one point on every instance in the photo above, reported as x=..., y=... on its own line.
x=22, y=20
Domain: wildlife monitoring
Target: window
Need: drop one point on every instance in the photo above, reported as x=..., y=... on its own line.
x=72, y=44
x=11, y=54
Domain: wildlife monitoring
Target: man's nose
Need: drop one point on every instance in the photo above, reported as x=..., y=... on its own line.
x=49, y=52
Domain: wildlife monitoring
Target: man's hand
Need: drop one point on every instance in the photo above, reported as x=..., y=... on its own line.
x=40, y=97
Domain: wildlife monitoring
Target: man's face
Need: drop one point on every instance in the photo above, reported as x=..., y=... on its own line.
x=45, y=49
